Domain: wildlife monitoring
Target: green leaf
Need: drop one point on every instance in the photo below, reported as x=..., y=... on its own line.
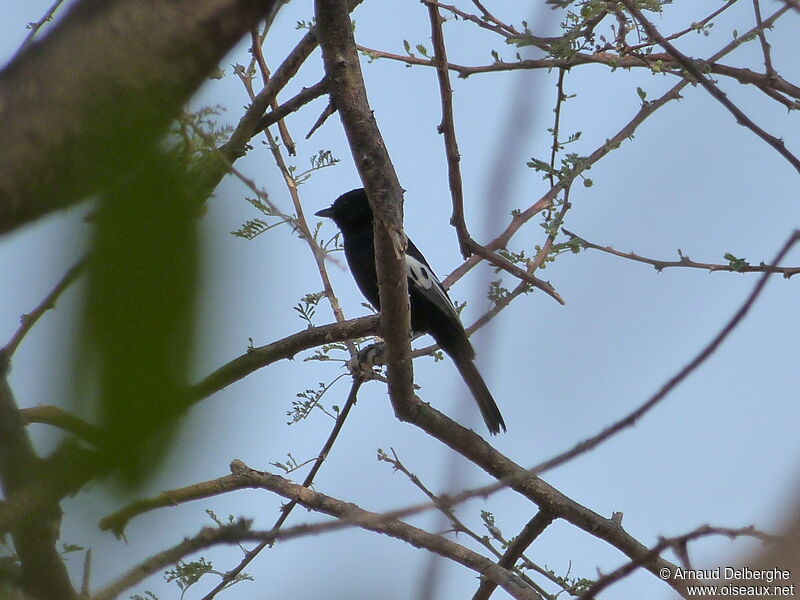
x=138, y=324
x=735, y=263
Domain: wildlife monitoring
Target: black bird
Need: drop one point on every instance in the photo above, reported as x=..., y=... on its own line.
x=432, y=311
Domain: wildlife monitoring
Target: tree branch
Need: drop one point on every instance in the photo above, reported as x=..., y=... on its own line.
x=36, y=533
x=208, y=536
x=286, y=509
x=716, y=93
x=372, y=160
x=252, y=122
x=630, y=419
x=29, y=320
x=532, y=530
x=302, y=98
x=346, y=513
x=35, y=27
x=447, y=128
x=627, y=131
x=663, y=544
x=687, y=262
x=257, y=358
x=69, y=133
x=58, y=417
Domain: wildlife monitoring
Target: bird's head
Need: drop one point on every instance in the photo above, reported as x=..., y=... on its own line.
x=349, y=211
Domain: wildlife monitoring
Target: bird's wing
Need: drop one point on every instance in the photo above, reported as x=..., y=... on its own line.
x=424, y=280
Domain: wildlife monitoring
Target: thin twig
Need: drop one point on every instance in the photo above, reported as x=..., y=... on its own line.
x=458, y=526
x=208, y=536
x=256, y=42
x=87, y=574
x=664, y=544
x=614, y=142
x=489, y=17
x=672, y=382
x=287, y=508
x=556, y=124
x=35, y=27
x=447, y=128
x=695, y=26
x=29, y=320
x=303, y=97
x=346, y=513
x=328, y=111
x=516, y=549
x=318, y=253
x=711, y=88
x=687, y=262
x=762, y=36
x=299, y=221
x=506, y=265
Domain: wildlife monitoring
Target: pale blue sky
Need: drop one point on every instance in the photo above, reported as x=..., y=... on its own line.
x=721, y=449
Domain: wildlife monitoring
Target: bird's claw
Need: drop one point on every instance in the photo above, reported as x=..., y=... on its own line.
x=367, y=359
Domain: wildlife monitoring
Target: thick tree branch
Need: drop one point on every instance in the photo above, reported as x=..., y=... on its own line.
x=257, y=358
x=35, y=534
x=390, y=526
x=372, y=160
x=243, y=477
x=509, y=474
x=58, y=417
x=118, y=521
x=73, y=125
x=551, y=501
x=286, y=509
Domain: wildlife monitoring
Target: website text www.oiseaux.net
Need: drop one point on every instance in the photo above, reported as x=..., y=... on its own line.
x=740, y=582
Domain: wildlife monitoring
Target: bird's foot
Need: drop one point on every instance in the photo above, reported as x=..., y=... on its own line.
x=367, y=359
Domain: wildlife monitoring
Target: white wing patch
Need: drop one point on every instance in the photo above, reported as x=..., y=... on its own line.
x=420, y=274
x=426, y=282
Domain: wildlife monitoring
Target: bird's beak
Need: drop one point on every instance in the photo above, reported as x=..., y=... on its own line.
x=325, y=212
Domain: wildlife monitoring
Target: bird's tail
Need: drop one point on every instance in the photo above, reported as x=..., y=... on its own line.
x=486, y=404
